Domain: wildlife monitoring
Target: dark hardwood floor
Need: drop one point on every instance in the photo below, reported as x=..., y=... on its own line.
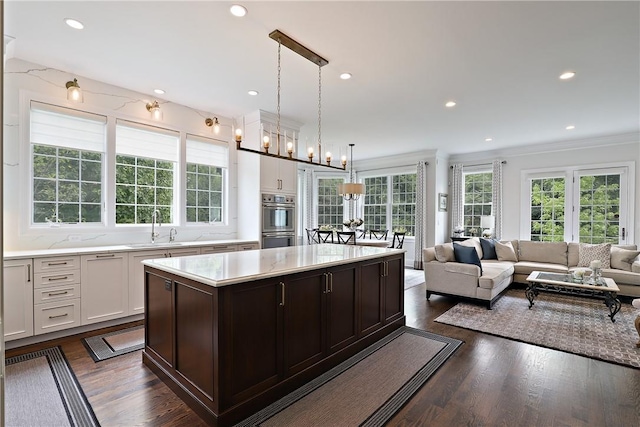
x=489, y=381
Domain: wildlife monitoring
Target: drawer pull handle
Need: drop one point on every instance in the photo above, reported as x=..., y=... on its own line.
x=52, y=294
x=57, y=263
x=105, y=256
x=51, y=279
x=59, y=315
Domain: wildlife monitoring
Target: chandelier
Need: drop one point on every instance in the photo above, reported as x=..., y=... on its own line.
x=351, y=190
x=284, y=40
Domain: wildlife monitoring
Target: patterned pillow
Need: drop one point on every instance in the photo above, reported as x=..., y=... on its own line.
x=590, y=253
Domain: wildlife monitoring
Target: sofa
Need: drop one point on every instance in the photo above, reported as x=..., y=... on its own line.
x=502, y=263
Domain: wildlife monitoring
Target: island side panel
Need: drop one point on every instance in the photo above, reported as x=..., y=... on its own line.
x=394, y=289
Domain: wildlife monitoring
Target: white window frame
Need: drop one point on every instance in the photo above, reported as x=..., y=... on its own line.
x=571, y=220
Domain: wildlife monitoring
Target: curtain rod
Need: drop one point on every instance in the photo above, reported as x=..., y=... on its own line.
x=391, y=167
x=504, y=162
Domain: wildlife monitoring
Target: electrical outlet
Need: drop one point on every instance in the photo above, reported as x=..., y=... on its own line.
x=74, y=238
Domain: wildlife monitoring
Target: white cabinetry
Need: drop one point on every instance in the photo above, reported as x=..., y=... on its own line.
x=105, y=287
x=216, y=249
x=136, y=273
x=56, y=294
x=278, y=175
x=248, y=247
x=18, y=299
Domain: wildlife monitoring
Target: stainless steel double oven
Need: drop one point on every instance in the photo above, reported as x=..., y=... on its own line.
x=278, y=221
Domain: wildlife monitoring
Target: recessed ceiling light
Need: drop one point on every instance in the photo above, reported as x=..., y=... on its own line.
x=238, y=10
x=450, y=104
x=73, y=23
x=488, y=139
x=570, y=127
x=567, y=75
x=253, y=92
x=159, y=91
x=345, y=76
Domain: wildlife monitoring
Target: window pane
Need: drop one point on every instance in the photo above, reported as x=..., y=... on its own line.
x=330, y=204
x=599, y=208
x=209, y=183
x=477, y=200
x=547, y=209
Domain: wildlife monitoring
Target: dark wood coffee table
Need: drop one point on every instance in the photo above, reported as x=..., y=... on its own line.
x=565, y=284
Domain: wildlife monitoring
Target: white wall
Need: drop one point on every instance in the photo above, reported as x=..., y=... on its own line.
x=25, y=80
x=583, y=154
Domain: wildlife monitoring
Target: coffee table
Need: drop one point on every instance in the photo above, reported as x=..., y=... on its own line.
x=565, y=283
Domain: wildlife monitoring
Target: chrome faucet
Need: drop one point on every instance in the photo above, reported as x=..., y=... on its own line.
x=155, y=217
x=172, y=234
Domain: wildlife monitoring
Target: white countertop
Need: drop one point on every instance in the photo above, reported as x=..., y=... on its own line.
x=39, y=253
x=238, y=267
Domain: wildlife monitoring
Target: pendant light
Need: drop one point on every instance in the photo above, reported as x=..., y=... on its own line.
x=351, y=190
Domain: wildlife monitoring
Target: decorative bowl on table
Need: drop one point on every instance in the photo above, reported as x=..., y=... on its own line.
x=581, y=275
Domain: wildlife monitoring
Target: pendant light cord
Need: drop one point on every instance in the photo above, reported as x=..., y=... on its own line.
x=278, y=101
x=319, y=114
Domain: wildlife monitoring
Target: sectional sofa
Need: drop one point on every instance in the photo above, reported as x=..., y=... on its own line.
x=502, y=263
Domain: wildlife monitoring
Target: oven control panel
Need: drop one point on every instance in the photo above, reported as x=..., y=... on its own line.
x=278, y=198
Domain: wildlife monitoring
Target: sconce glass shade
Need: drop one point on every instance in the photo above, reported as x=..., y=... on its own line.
x=154, y=109
x=214, y=123
x=74, y=93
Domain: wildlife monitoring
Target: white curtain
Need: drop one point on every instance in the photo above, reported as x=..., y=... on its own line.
x=421, y=208
x=457, y=197
x=497, y=198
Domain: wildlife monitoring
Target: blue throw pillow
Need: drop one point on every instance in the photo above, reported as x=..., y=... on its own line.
x=466, y=255
x=488, y=248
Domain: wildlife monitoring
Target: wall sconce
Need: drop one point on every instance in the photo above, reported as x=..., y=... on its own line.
x=213, y=123
x=74, y=93
x=154, y=109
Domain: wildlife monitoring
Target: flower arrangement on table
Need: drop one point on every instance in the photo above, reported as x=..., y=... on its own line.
x=326, y=228
x=458, y=230
x=473, y=231
x=351, y=224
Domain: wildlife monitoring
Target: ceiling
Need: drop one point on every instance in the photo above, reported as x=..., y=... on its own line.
x=500, y=61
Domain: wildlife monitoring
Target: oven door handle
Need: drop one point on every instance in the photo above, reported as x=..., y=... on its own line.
x=278, y=234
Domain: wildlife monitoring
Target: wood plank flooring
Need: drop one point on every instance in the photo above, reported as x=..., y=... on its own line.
x=490, y=381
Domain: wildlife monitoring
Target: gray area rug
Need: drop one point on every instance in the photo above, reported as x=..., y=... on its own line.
x=367, y=389
x=112, y=344
x=41, y=390
x=573, y=324
x=413, y=278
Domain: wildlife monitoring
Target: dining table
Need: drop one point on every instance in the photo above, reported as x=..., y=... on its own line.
x=373, y=242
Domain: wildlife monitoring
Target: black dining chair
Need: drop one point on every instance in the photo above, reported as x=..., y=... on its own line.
x=378, y=234
x=398, y=239
x=325, y=236
x=361, y=233
x=346, y=237
x=312, y=236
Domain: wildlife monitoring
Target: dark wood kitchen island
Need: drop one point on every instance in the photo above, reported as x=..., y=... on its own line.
x=232, y=332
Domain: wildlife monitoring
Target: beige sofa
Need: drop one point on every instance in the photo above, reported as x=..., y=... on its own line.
x=444, y=276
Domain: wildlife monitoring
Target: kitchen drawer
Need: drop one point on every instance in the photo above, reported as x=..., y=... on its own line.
x=247, y=247
x=217, y=249
x=58, y=293
x=43, y=265
x=56, y=278
x=55, y=316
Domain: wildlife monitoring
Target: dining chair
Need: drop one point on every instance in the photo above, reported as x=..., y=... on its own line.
x=346, y=237
x=361, y=233
x=312, y=236
x=325, y=236
x=378, y=234
x=398, y=239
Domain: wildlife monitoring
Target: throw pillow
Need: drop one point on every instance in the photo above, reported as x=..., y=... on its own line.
x=444, y=253
x=473, y=242
x=467, y=255
x=488, y=248
x=590, y=253
x=622, y=258
x=505, y=252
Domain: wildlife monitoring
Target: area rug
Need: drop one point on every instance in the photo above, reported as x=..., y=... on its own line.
x=367, y=389
x=573, y=324
x=112, y=344
x=413, y=278
x=41, y=390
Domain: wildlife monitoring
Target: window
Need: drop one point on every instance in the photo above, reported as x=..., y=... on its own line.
x=390, y=203
x=577, y=205
x=67, y=150
x=547, y=209
x=330, y=204
x=207, y=163
x=478, y=194
x=144, y=183
x=375, y=203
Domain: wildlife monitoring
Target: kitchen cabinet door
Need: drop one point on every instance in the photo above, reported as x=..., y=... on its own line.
x=394, y=289
x=371, y=302
x=342, y=308
x=278, y=176
x=136, y=278
x=104, y=287
x=18, y=299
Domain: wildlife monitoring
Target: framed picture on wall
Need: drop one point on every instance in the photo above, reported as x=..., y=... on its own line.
x=442, y=202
